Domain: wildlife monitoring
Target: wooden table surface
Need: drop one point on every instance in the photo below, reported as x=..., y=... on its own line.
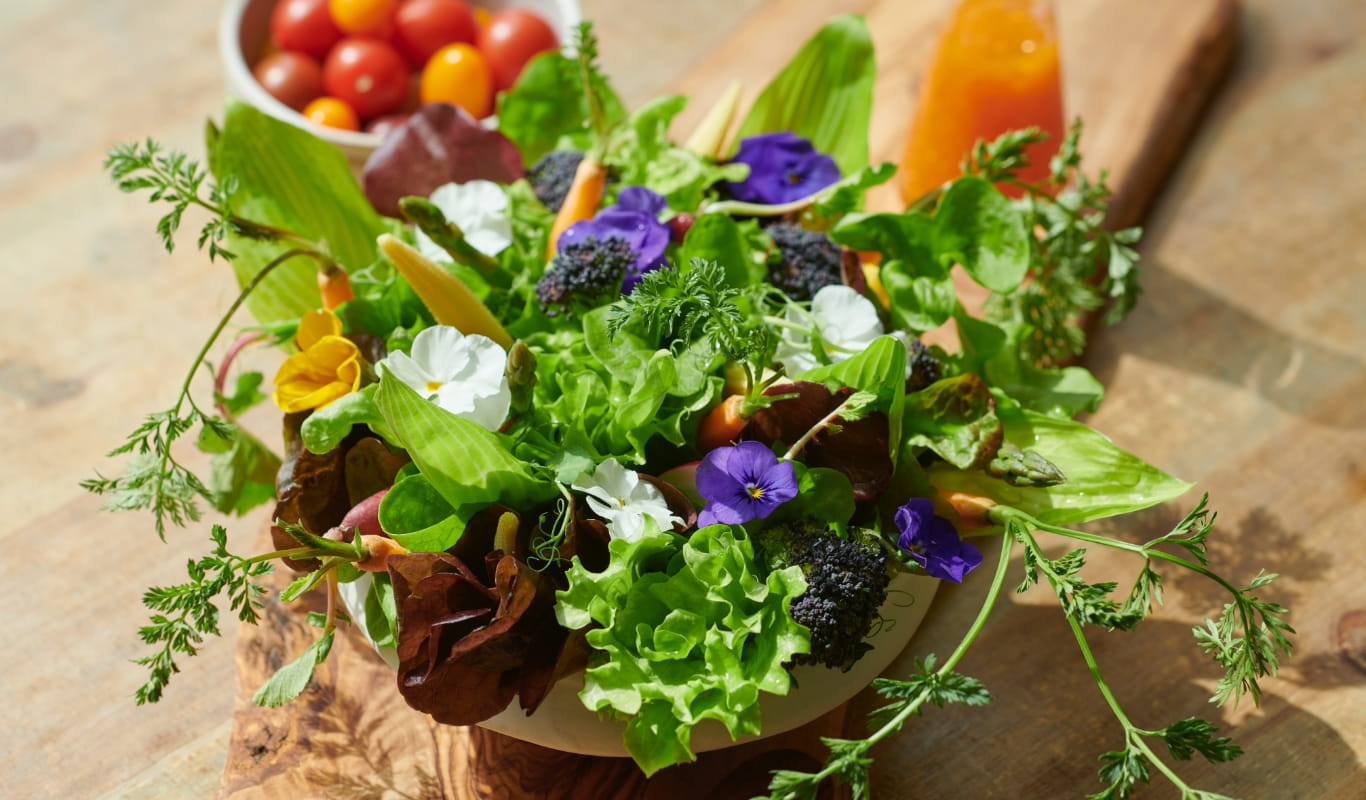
x=1244, y=368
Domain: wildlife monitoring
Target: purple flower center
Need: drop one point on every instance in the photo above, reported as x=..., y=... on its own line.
x=634, y=219
x=933, y=543
x=743, y=483
x=782, y=167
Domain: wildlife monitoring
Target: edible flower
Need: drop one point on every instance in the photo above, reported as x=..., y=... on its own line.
x=327, y=366
x=630, y=506
x=480, y=209
x=743, y=482
x=933, y=543
x=845, y=323
x=635, y=219
x=465, y=375
x=783, y=167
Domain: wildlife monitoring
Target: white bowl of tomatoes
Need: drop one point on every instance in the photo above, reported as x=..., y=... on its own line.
x=349, y=70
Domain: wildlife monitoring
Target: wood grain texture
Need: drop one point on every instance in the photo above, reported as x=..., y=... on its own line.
x=1241, y=369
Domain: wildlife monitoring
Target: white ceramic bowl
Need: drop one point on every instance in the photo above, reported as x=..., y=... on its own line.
x=244, y=31
x=563, y=723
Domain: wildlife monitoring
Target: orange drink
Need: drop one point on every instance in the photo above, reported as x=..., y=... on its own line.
x=994, y=69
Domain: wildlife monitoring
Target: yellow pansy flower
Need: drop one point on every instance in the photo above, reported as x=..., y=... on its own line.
x=327, y=366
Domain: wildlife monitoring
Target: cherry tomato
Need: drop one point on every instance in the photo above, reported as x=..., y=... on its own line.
x=425, y=26
x=333, y=113
x=458, y=75
x=303, y=26
x=368, y=74
x=362, y=16
x=292, y=78
x=512, y=37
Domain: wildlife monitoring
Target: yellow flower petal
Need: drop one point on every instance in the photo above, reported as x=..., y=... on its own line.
x=314, y=326
x=328, y=369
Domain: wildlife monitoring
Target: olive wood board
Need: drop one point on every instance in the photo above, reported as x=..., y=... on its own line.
x=1138, y=73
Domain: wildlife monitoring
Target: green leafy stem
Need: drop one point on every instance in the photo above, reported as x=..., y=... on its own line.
x=1247, y=640
x=154, y=479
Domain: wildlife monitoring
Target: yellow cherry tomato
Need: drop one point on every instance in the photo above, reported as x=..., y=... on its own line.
x=458, y=74
x=332, y=113
x=362, y=16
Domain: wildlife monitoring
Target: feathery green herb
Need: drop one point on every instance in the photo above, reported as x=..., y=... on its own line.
x=184, y=614
x=1078, y=264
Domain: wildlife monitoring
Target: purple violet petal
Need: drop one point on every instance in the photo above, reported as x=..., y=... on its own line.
x=937, y=547
x=782, y=167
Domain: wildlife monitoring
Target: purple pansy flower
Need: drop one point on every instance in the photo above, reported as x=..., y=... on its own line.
x=634, y=218
x=782, y=167
x=743, y=482
x=937, y=547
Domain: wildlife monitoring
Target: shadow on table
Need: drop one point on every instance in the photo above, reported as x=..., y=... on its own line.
x=1186, y=326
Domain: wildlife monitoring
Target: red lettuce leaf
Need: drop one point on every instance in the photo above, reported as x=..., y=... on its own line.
x=439, y=144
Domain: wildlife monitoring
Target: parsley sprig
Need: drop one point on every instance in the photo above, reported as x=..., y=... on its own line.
x=1079, y=264
x=179, y=181
x=1247, y=640
x=695, y=303
x=155, y=480
x=184, y=614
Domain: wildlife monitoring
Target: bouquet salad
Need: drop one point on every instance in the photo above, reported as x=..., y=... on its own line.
x=566, y=397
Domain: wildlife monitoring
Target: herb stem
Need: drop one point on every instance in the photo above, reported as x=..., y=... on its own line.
x=825, y=422
x=895, y=722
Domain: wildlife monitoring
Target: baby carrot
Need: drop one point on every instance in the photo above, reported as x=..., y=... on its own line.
x=335, y=286
x=722, y=425
x=973, y=510
x=581, y=202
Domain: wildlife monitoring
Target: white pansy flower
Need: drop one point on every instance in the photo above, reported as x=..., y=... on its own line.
x=462, y=374
x=630, y=506
x=480, y=208
x=845, y=320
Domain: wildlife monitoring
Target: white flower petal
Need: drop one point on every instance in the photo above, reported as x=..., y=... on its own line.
x=845, y=317
x=480, y=209
x=441, y=351
x=487, y=410
x=631, y=507
x=409, y=372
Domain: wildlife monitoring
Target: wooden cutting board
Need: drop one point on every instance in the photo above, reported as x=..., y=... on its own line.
x=1138, y=73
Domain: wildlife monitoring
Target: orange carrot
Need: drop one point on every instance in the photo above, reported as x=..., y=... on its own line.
x=722, y=425
x=581, y=202
x=974, y=511
x=335, y=286
x=378, y=550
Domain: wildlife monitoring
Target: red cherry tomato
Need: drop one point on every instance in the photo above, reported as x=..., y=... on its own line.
x=333, y=113
x=368, y=74
x=362, y=16
x=292, y=78
x=512, y=37
x=303, y=26
x=425, y=26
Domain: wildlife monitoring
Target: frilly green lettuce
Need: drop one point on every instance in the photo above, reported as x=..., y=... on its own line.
x=689, y=630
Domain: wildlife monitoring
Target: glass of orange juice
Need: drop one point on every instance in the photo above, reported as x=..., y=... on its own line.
x=994, y=68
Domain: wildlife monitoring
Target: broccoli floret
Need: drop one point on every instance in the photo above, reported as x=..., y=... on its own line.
x=551, y=176
x=925, y=368
x=846, y=584
x=585, y=271
x=809, y=260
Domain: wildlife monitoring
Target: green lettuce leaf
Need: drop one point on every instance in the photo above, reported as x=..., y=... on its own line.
x=688, y=632
x=1102, y=480
x=737, y=247
x=416, y=516
x=824, y=94
x=289, y=178
x=548, y=103
x=643, y=155
x=956, y=418
x=976, y=226
x=880, y=370
x=466, y=464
